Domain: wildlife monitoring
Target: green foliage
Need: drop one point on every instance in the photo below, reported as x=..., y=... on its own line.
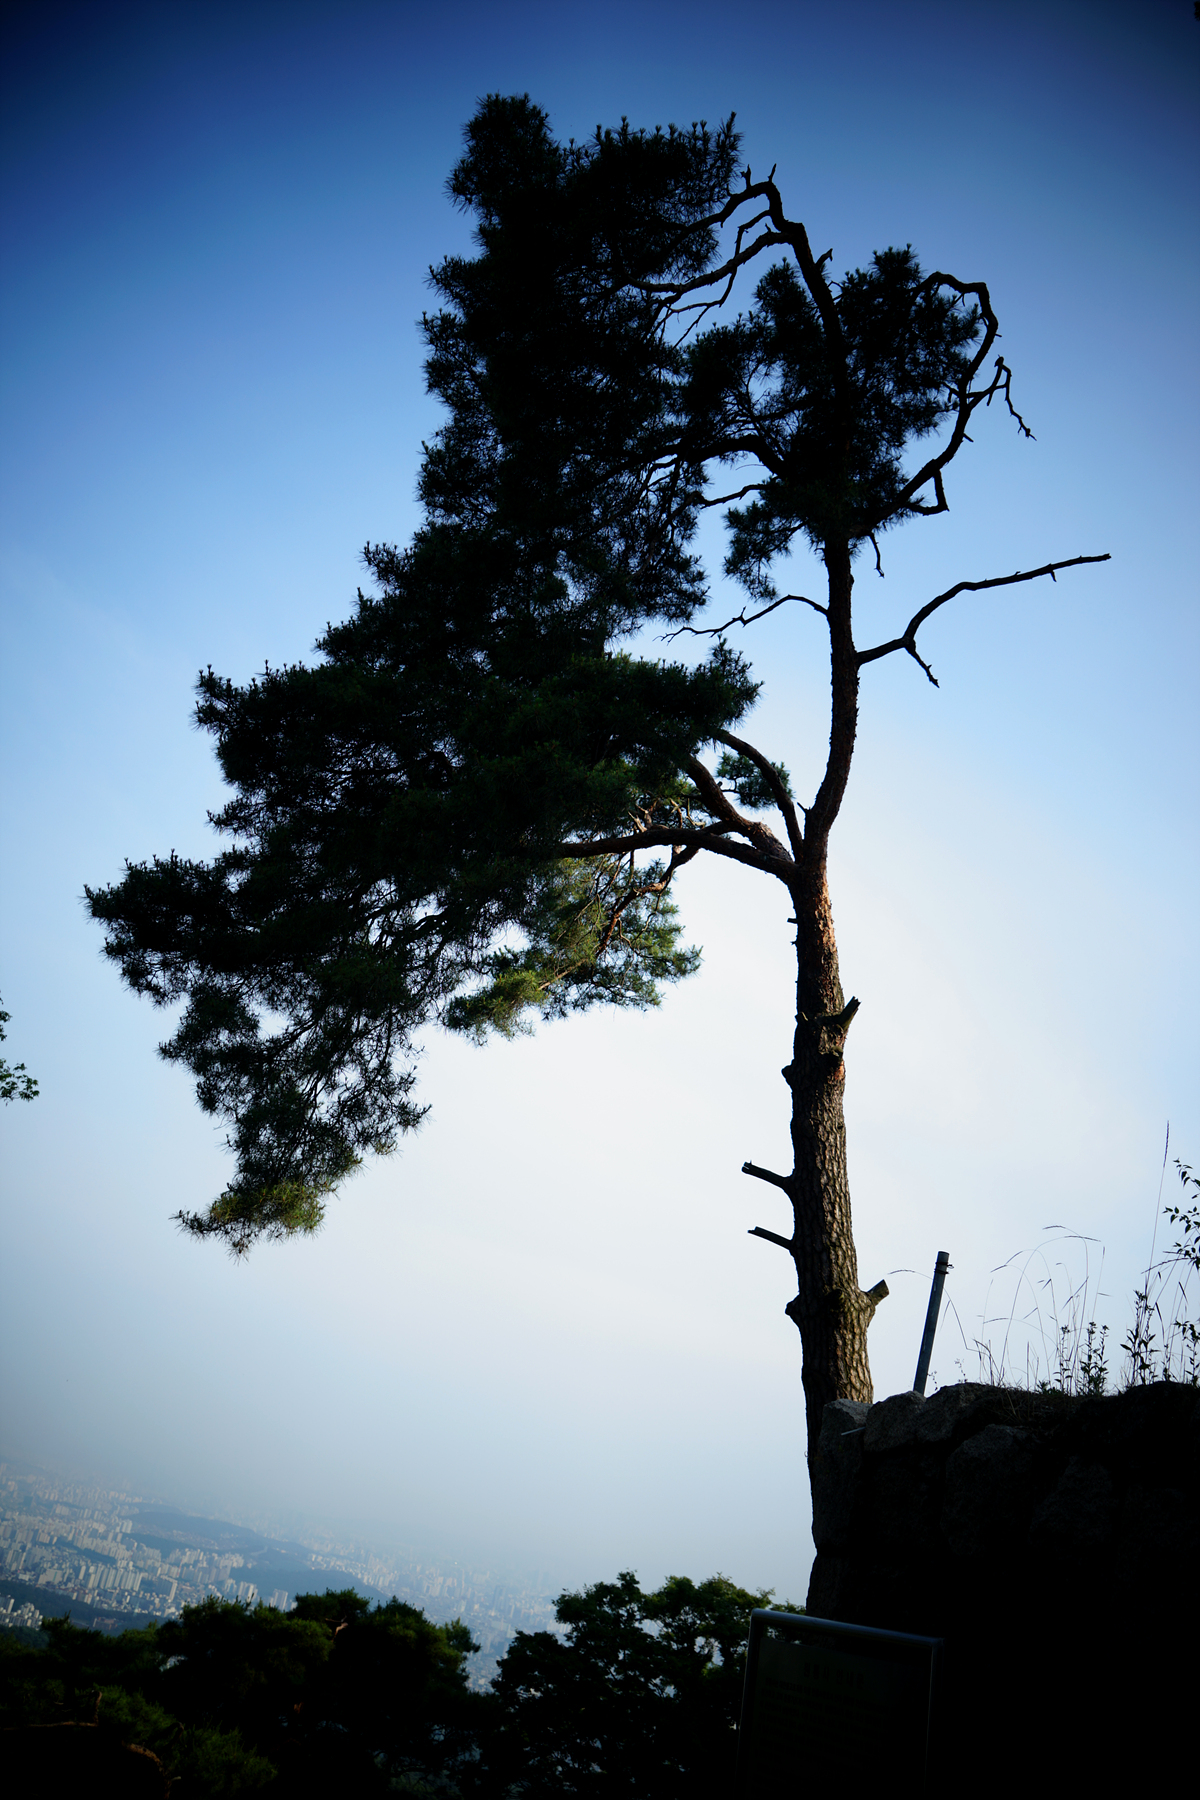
x=641, y=1697
x=396, y=1678
x=433, y=823
x=1186, y=1248
x=588, y=939
x=332, y=1697
x=203, y=1759
x=15, y=1084
x=83, y=1661
x=748, y=781
x=1080, y=1368
x=333, y=1688
x=385, y=867
x=25, y=1635
x=233, y=1665
x=118, y=1683
x=23, y=1683
x=219, y=1763
x=839, y=414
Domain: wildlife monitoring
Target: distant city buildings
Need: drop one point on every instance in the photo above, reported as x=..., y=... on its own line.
x=86, y=1545
x=11, y=1614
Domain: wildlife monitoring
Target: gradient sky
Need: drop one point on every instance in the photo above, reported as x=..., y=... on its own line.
x=540, y=1334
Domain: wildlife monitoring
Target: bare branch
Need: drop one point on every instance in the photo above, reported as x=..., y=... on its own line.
x=779, y=1181
x=908, y=639
x=1002, y=384
x=772, y=1237
x=838, y=1024
x=983, y=300
x=942, y=504
x=743, y=619
x=680, y=857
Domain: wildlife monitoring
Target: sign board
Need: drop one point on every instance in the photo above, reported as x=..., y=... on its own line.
x=823, y=1699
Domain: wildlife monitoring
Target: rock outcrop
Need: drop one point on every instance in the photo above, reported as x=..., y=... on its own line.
x=1052, y=1542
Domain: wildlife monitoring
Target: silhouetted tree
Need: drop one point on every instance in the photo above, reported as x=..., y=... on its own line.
x=333, y=1697
x=640, y=1697
x=477, y=804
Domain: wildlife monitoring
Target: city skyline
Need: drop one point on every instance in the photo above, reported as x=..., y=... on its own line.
x=125, y=1559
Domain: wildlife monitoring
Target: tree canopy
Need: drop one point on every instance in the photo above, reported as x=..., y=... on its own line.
x=334, y=1696
x=637, y=1694
x=473, y=807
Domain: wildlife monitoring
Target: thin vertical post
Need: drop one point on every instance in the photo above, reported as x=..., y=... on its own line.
x=931, y=1319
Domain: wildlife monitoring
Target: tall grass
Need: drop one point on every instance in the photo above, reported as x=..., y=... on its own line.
x=1049, y=1337
x=1163, y=1342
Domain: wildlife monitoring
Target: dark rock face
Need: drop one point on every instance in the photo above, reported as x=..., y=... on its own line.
x=1053, y=1544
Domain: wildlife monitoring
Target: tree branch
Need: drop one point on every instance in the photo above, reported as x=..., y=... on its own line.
x=715, y=797
x=674, y=291
x=772, y=1237
x=664, y=837
x=751, y=190
x=779, y=1181
x=968, y=398
x=1002, y=384
x=771, y=776
x=751, y=487
x=786, y=231
x=941, y=504
x=908, y=639
x=718, y=802
x=742, y=619
x=793, y=234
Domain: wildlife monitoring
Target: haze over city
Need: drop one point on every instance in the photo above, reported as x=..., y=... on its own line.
x=539, y=1335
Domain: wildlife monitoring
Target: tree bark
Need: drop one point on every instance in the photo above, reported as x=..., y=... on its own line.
x=830, y=1310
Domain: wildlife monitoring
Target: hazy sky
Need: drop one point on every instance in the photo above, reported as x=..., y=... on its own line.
x=540, y=1333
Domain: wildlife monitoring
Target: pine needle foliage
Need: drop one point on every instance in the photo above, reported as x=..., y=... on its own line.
x=470, y=808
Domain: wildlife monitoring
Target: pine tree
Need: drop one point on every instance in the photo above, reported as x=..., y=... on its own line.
x=476, y=806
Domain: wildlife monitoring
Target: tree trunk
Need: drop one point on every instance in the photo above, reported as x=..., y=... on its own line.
x=830, y=1310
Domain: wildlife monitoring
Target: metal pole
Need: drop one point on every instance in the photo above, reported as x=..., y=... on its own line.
x=931, y=1319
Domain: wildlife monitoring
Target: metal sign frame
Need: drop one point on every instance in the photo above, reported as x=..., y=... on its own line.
x=822, y=1698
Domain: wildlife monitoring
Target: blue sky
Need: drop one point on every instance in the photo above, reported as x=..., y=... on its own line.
x=540, y=1332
